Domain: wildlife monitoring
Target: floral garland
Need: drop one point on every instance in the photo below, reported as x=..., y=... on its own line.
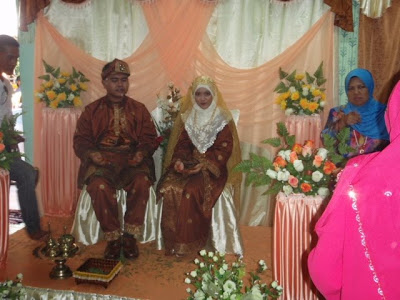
x=300, y=97
x=61, y=89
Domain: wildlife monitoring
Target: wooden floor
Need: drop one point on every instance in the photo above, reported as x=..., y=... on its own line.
x=151, y=276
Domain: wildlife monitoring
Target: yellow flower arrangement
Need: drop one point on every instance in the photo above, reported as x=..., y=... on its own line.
x=61, y=89
x=301, y=93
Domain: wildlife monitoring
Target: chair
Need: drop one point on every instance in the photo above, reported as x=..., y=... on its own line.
x=86, y=229
x=224, y=232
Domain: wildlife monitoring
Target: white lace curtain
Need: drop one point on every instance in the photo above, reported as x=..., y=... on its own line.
x=245, y=33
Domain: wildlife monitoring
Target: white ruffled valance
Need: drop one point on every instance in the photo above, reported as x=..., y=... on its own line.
x=374, y=8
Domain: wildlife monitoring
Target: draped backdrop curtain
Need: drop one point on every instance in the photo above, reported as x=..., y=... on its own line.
x=176, y=47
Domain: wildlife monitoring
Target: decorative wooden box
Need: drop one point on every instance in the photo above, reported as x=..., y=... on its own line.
x=97, y=271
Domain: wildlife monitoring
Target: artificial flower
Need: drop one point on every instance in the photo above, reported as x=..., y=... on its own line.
x=170, y=107
x=296, y=168
x=272, y=173
x=293, y=181
x=301, y=93
x=287, y=189
x=329, y=167
x=317, y=162
x=306, y=187
x=323, y=191
x=61, y=89
x=220, y=280
x=298, y=165
x=317, y=176
x=322, y=152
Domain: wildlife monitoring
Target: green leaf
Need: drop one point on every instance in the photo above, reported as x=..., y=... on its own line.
x=274, y=189
x=282, y=130
x=260, y=162
x=319, y=73
x=47, y=67
x=84, y=79
x=336, y=158
x=291, y=77
x=291, y=140
x=56, y=73
x=45, y=77
x=329, y=141
x=280, y=88
x=282, y=74
x=75, y=74
x=274, y=142
x=343, y=135
x=310, y=79
x=320, y=81
x=243, y=166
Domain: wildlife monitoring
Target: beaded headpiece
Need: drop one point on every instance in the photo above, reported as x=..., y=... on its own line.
x=116, y=66
x=204, y=80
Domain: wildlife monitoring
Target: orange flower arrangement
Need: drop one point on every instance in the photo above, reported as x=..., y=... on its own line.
x=296, y=168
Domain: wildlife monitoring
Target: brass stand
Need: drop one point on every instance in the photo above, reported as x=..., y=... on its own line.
x=61, y=270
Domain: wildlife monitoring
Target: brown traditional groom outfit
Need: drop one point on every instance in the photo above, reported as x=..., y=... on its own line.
x=116, y=128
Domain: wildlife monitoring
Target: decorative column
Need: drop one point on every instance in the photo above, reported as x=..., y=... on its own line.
x=305, y=128
x=59, y=169
x=295, y=217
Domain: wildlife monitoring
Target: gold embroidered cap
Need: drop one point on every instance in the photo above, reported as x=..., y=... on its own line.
x=116, y=66
x=204, y=81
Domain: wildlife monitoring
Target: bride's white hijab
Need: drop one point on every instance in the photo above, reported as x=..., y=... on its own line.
x=203, y=125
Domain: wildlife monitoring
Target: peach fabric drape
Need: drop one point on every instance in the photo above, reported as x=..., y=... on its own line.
x=379, y=50
x=294, y=221
x=4, y=199
x=164, y=58
x=176, y=29
x=60, y=164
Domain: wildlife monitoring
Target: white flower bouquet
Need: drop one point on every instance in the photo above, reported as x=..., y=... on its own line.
x=215, y=278
x=13, y=289
x=170, y=107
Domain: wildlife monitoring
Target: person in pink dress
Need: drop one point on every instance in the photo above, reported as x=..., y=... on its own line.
x=357, y=255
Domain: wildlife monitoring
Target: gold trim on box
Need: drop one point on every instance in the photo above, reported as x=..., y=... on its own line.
x=99, y=277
